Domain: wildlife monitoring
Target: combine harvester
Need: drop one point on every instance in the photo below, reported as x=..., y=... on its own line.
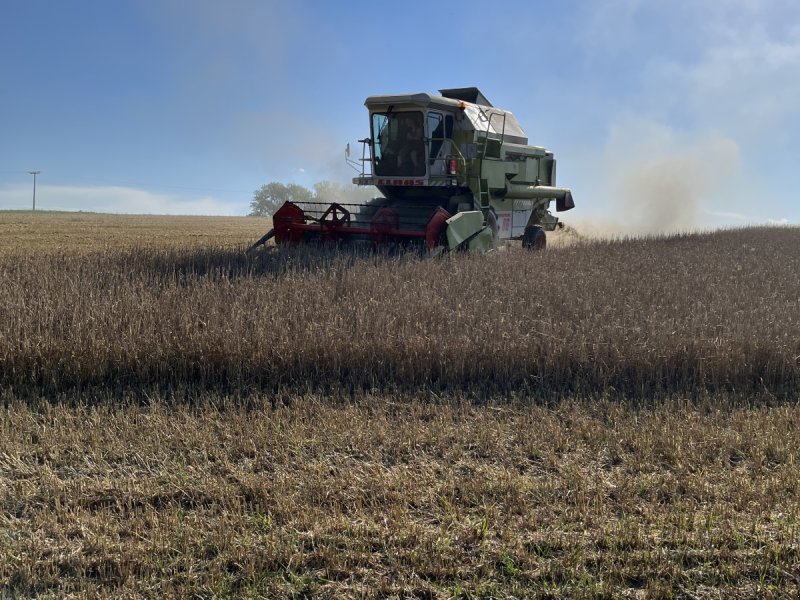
x=455, y=173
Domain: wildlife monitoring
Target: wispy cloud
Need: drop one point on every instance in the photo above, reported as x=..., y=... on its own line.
x=114, y=199
x=743, y=76
x=747, y=82
x=733, y=216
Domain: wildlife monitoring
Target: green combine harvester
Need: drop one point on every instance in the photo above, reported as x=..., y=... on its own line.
x=455, y=173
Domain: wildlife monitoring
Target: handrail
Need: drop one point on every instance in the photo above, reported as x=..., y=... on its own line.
x=488, y=125
x=360, y=169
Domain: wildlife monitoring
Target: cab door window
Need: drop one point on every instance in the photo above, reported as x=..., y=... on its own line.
x=440, y=132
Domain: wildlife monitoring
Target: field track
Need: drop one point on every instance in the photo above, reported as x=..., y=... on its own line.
x=604, y=419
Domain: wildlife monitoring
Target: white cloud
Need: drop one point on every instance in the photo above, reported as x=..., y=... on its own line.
x=730, y=65
x=750, y=85
x=114, y=199
x=733, y=216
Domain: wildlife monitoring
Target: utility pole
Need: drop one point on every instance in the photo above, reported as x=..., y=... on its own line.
x=34, y=173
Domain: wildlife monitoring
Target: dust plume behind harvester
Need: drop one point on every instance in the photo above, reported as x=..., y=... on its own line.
x=455, y=173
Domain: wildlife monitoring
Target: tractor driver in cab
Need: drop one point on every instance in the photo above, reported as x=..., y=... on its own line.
x=411, y=156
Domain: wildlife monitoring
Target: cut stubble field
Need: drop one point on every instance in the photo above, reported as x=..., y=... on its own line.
x=606, y=418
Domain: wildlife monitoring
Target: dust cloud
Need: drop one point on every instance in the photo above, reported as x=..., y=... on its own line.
x=669, y=192
x=654, y=181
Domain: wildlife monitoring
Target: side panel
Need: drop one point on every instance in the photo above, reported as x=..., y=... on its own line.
x=512, y=223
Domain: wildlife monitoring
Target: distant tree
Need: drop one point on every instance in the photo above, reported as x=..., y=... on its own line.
x=269, y=197
x=333, y=191
x=328, y=191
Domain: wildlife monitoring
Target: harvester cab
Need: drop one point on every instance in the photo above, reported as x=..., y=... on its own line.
x=454, y=172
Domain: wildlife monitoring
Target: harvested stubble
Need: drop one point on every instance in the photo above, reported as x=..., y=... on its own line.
x=639, y=318
x=390, y=497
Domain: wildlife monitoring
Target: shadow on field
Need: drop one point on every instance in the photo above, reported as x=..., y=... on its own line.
x=235, y=263
x=186, y=378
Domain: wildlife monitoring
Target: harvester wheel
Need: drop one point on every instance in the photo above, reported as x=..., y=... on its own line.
x=332, y=221
x=334, y=216
x=534, y=238
x=436, y=230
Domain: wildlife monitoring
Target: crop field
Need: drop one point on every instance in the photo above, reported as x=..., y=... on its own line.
x=609, y=418
x=59, y=232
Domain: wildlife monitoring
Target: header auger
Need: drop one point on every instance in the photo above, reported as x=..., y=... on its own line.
x=455, y=172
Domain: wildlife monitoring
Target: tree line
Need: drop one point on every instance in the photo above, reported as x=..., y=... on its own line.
x=271, y=196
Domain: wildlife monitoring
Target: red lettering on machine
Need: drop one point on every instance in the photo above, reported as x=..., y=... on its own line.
x=419, y=182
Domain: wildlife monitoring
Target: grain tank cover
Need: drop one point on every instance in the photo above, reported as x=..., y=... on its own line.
x=484, y=116
x=469, y=94
x=497, y=123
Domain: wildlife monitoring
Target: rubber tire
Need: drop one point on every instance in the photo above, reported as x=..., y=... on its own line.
x=534, y=238
x=491, y=222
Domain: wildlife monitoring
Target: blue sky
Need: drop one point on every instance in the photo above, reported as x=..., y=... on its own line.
x=663, y=114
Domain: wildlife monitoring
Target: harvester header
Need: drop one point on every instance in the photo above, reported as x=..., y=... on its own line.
x=454, y=172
